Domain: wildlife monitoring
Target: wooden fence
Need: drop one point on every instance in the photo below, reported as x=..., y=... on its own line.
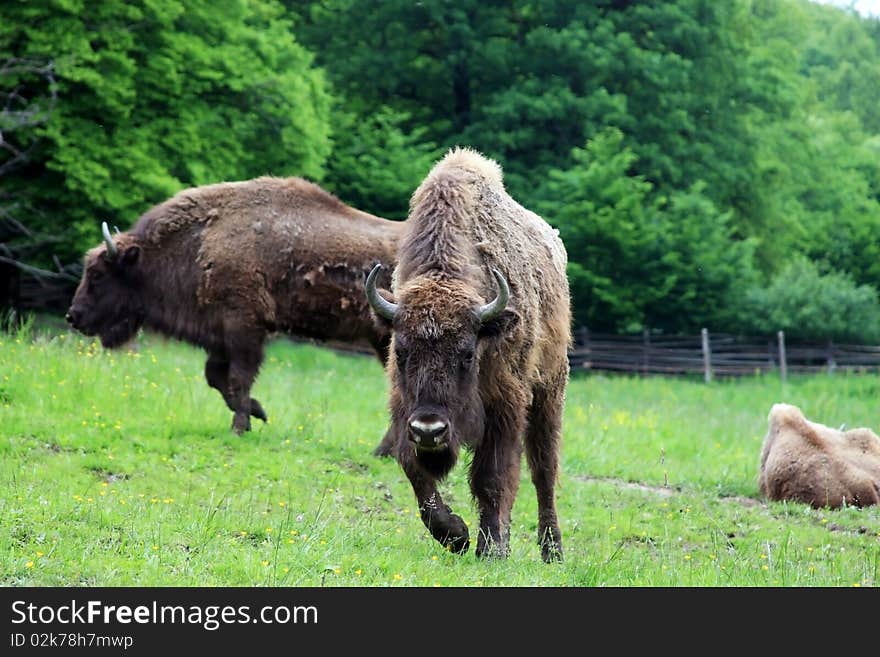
x=716, y=355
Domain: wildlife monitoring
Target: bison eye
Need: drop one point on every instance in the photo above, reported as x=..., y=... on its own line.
x=94, y=279
x=467, y=359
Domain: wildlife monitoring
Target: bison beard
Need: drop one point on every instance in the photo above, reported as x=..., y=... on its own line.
x=119, y=333
x=436, y=463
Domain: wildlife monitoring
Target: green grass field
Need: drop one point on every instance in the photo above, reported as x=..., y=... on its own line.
x=119, y=469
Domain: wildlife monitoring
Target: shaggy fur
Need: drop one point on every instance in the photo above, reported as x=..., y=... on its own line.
x=498, y=386
x=808, y=462
x=225, y=266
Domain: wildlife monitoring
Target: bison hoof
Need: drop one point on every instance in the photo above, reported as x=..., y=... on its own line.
x=456, y=544
x=551, y=546
x=492, y=550
x=241, y=423
x=257, y=410
x=453, y=535
x=551, y=553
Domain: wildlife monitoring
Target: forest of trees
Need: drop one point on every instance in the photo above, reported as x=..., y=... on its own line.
x=708, y=164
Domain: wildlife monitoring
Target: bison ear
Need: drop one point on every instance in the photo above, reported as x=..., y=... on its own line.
x=130, y=256
x=499, y=325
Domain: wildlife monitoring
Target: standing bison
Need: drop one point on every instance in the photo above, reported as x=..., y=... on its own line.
x=480, y=321
x=225, y=266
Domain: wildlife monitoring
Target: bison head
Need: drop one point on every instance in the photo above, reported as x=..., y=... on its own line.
x=108, y=302
x=440, y=332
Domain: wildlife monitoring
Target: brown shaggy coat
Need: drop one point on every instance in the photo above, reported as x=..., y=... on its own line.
x=808, y=462
x=495, y=387
x=225, y=266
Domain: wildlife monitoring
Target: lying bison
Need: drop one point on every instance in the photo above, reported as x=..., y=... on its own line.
x=225, y=266
x=480, y=321
x=811, y=463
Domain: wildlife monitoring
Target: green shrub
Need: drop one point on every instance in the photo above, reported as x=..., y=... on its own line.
x=806, y=303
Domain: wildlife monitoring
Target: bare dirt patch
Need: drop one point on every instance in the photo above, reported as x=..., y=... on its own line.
x=664, y=491
x=107, y=476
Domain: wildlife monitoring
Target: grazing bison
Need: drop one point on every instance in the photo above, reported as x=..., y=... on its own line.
x=480, y=321
x=808, y=462
x=225, y=266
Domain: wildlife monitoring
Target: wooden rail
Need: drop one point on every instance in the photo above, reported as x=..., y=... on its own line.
x=716, y=355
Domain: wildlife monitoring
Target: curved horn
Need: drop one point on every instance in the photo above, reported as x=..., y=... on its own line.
x=495, y=307
x=112, y=251
x=380, y=304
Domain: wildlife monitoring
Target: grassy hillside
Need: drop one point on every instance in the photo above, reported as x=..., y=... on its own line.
x=119, y=469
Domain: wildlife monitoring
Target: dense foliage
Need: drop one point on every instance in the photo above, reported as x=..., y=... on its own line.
x=693, y=154
x=153, y=96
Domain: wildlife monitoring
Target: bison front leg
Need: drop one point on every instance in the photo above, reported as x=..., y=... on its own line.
x=494, y=477
x=543, y=437
x=446, y=527
x=217, y=375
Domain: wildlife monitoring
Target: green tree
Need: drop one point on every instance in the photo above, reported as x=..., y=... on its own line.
x=527, y=81
x=376, y=164
x=639, y=259
x=816, y=159
x=600, y=213
x=155, y=96
x=841, y=56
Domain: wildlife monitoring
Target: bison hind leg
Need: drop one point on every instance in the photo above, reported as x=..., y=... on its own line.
x=542, y=442
x=386, y=447
x=217, y=375
x=245, y=356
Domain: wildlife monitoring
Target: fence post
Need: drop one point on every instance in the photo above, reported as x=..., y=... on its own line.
x=832, y=364
x=707, y=356
x=646, y=346
x=783, y=365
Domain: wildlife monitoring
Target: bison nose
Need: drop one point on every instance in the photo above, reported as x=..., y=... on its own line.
x=72, y=317
x=428, y=431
